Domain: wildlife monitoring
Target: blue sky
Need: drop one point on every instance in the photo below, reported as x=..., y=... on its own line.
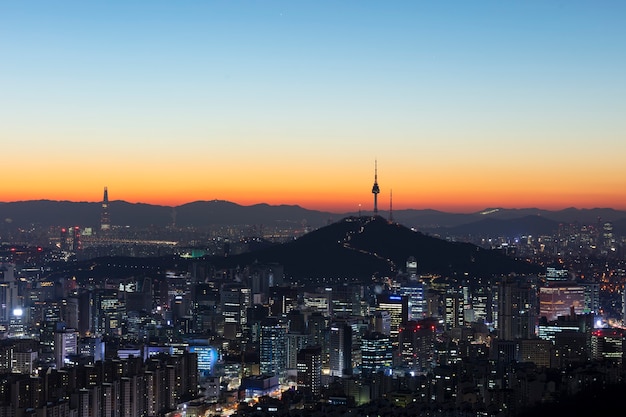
x=454, y=91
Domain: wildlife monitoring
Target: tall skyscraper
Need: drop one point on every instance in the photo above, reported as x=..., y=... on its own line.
x=272, y=349
x=105, y=223
x=76, y=243
x=376, y=353
x=517, y=308
x=398, y=308
x=65, y=344
x=375, y=189
x=417, y=344
x=9, y=299
x=340, y=349
x=415, y=292
x=234, y=301
x=309, y=374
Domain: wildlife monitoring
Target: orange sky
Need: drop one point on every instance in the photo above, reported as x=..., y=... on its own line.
x=465, y=107
x=334, y=188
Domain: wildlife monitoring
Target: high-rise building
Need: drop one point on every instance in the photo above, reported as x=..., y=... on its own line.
x=235, y=299
x=548, y=330
x=317, y=328
x=65, y=345
x=105, y=222
x=398, y=308
x=76, y=242
x=345, y=300
x=64, y=241
x=263, y=277
x=481, y=298
x=133, y=396
x=107, y=311
x=608, y=345
x=295, y=342
x=9, y=300
x=454, y=307
x=417, y=344
x=283, y=299
x=415, y=293
x=537, y=351
x=376, y=354
x=340, y=349
x=517, y=308
x=309, y=367
x=592, y=297
x=381, y=322
x=273, y=347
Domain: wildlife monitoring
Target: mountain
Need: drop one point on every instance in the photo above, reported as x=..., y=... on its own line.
x=360, y=247
x=534, y=225
x=217, y=212
x=351, y=250
x=197, y=214
x=66, y=213
x=201, y=214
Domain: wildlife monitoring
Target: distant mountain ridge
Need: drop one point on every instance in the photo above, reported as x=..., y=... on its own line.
x=200, y=214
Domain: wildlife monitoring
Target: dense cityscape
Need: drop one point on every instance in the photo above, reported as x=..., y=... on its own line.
x=102, y=320
x=281, y=208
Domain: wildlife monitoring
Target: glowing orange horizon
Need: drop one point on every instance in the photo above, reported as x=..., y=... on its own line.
x=338, y=202
x=340, y=188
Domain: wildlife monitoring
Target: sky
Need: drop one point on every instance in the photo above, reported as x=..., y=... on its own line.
x=463, y=105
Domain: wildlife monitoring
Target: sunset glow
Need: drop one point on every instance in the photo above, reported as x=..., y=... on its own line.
x=465, y=105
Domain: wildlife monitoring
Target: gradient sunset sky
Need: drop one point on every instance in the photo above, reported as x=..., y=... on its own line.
x=464, y=104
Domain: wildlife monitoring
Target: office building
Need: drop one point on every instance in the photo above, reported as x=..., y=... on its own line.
x=417, y=344
x=340, y=349
x=376, y=354
x=517, y=308
x=398, y=308
x=558, y=300
x=273, y=347
x=309, y=366
x=65, y=345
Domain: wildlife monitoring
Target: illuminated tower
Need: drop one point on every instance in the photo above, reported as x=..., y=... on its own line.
x=375, y=189
x=105, y=223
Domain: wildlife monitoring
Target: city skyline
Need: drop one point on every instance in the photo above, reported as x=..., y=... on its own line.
x=464, y=106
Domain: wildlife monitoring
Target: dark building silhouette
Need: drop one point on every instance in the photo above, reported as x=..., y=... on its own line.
x=517, y=308
x=105, y=222
x=310, y=371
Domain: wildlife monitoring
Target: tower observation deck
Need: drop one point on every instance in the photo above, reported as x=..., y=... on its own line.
x=375, y=188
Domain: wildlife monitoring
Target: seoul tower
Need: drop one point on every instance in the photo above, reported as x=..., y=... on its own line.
x=375, y=189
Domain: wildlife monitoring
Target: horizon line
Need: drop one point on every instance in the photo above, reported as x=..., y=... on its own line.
x=485, y=210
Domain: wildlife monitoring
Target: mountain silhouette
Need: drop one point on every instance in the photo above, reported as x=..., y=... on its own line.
x=205, y=214
x=534, y=225
x=354, y=249
x=357, y=248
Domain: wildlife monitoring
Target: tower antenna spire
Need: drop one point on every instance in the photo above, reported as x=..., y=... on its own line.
x=375, y=188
